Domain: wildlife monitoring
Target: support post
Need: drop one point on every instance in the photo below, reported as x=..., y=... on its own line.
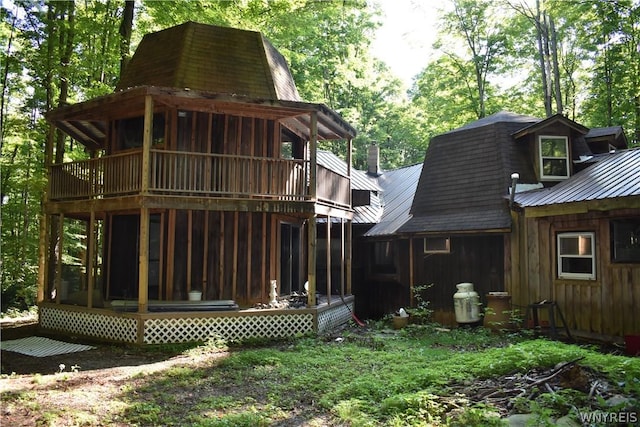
x=311, y=261
x=328, y=256
x=411, y=278
x=342, y=257
x=91, y=242
x=43, y=257
x=312, y=233
x=143, y=259
x=349, y=249
x=313, y=160
x=58, y=280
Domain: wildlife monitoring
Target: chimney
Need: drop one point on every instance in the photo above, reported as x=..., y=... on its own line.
x=373, y=160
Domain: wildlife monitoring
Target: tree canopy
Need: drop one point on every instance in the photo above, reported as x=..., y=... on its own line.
x=536, y=57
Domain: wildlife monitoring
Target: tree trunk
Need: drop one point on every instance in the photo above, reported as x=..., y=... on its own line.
x=63, y=33
x=125, y=34
x=556, y=66
x=540, y=29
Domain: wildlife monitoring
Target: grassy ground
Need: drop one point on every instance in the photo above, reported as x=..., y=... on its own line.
x=373, y=376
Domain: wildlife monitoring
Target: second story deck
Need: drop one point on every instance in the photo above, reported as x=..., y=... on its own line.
x=197, y=175
x=186, y=149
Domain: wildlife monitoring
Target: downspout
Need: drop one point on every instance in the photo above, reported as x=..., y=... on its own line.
x=514, y=182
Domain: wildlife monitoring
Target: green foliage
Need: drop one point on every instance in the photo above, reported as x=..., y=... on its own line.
x=420, y=313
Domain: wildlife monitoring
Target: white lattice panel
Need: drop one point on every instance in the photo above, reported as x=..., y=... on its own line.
x=333, y=317
x=98, y=325
x=231, y=328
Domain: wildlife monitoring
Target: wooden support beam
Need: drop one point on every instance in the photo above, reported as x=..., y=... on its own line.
x=161, y=253
x=221, y=259
x=146, y=144
x=248, y=257
x=108, y=239
x=349, y=161
x=189, y=247
x=58, y=281
x=411, y=277
x=234, y=271
x=275, y=255
x=342, y=256
x=312, y=236
x=91, y=248
x=263, y=272
x=205, y=254
x=313, y=160
x=143, y=262
x=328, y=257
x=171, y=247
x=43, y=256
x=311, y=260
x=349, y=250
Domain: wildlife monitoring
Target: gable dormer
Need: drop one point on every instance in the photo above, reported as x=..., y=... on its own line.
x=554, y=143
x=604, y=140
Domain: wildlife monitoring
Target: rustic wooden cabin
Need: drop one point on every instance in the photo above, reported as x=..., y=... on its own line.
x=202, y=176
x=578, y=244
x=382, y=286
x=458, y=226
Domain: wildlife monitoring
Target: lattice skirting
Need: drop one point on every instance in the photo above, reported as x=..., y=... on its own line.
x=236, y=328
x=334, y=316
x=92, y=324
x=186, y=327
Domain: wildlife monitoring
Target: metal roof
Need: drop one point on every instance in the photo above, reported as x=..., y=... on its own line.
x=398, y=186
x=359, y=179
x=368, y=214
x=615, y=175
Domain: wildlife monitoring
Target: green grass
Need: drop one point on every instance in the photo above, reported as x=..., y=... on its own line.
x=374, y=379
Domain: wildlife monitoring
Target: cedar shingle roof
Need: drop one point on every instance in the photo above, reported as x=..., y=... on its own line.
x=467, y=173
x=213, y=59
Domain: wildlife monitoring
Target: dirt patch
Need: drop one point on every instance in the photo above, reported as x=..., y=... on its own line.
x=90, y=383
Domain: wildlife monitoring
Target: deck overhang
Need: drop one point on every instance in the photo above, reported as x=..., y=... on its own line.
x=87, y=121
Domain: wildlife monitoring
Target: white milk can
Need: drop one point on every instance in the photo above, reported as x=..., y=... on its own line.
x=466, y=303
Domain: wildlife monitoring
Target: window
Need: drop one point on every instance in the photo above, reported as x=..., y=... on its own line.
x=625, y=240
x=437, y=245
x=576, y=256
x=554, y=157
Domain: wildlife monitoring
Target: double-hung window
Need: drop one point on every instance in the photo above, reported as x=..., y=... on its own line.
x=554, y=157
x=576, y=255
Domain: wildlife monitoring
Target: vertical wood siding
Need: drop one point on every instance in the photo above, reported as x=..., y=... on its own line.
x=606, y=306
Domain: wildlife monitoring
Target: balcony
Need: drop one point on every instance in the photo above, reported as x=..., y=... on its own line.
x=187, y=174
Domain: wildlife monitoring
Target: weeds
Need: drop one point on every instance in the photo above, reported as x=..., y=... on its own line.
x=373, y=377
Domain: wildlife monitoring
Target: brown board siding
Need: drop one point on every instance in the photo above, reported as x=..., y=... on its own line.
x=606, y=306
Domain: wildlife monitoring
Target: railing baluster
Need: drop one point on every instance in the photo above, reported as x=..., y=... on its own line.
x=196, y=174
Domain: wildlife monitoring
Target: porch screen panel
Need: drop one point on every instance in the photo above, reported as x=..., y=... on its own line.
x=179, y=257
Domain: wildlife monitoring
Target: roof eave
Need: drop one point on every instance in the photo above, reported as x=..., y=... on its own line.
x=548, y=121
x=95, y=113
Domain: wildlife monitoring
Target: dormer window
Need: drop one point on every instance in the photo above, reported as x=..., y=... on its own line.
x=554, y=157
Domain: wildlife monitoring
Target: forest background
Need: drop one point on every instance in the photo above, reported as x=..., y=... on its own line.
x=580, y=58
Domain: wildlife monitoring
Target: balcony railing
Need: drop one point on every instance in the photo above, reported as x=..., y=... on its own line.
x=195, y=174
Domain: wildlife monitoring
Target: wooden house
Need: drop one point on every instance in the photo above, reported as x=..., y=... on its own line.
x=459, y=224
x=578, y=244
x=203, y=176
